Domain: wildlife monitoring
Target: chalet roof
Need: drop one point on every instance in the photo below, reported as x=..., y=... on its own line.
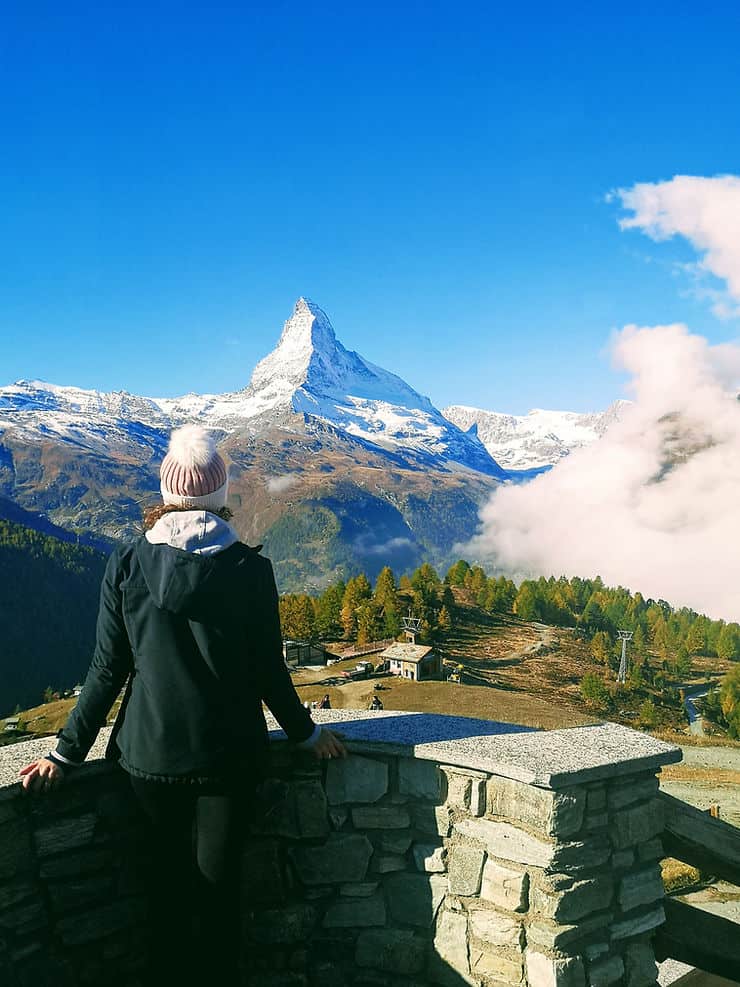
x=407, y=652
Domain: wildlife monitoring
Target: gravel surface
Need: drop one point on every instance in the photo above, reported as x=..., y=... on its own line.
x=692, y=781
x=671, y=970
x=16, y=756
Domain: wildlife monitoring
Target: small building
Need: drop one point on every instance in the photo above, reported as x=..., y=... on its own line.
x=418, y=662
x=303, y=653
x=77, y=689
x=12, y=723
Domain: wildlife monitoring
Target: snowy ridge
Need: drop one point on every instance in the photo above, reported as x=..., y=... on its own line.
x=309, y=374
x=539, y=439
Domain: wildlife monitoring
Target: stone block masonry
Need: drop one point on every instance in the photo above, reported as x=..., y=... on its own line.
x=442, y=851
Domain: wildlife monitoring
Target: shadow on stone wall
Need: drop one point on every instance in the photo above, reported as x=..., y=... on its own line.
x=344, y=875
x=342, y=879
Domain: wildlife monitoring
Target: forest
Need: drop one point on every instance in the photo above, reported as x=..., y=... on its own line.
x=48, y=609
x=664, y=639
x=357, y=610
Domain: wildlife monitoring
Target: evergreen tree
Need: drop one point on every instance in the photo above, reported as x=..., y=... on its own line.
x=368, y=622
x=728, y=643
x=601, y=647
x=328, y=611
x=525, y=604
x=391, y=622
x=356, y=593
x=696, y=639
x=639, y=640
x=456, y=573
x=729, y=697
x=304, y=629
x=594, y=690
x=48, y=609
x=682, y=663
x=661, y=637
x=385, y=587
x=648, y=713
x=426, y=579
x=363, y=587
x=477, y=583
x=500, y=595
x=592, y=618
x=445, y=620
x=297, y=617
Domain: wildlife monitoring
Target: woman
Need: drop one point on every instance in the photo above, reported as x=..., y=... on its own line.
x=189, y=615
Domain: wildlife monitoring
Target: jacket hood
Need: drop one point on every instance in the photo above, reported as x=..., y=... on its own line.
x=186, y=562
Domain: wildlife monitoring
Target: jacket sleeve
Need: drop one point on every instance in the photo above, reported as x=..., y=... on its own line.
x=276, y=687
x=112, y=661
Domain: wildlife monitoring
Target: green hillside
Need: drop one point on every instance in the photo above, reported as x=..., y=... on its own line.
x=48, y=606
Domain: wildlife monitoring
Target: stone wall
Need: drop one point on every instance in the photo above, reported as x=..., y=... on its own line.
x=458, y=858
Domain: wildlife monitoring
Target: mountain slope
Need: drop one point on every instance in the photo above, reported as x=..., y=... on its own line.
x=48, y=609
x=319, y=432
x=539, y=439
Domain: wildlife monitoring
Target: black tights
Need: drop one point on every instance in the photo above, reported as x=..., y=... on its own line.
x=193, y=877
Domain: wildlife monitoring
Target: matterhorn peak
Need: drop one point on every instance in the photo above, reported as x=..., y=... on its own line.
x=308, y=328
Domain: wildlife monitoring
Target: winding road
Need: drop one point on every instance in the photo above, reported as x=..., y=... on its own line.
x=696, y=723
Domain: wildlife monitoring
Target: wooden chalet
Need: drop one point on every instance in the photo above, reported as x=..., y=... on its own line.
x=418, y=662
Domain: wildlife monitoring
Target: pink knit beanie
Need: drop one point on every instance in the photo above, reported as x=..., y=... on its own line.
x=192, y=473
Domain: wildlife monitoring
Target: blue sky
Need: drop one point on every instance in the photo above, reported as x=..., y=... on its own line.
x=173, y=176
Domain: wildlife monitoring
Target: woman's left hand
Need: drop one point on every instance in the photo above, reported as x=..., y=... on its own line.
x=42, y=775
x=329, y=744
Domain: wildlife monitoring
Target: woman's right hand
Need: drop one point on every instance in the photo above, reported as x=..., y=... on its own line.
x=41, y=776
x=329, y=745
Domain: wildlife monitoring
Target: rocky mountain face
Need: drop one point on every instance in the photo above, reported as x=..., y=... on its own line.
x=337, y=464
x=535, y=441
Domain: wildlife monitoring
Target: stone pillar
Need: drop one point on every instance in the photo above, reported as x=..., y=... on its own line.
x=557, y=887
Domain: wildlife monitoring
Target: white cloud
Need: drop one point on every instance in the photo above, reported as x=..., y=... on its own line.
x=706, y=212
x=367, y=546
x=655, y=504
x=278, y=484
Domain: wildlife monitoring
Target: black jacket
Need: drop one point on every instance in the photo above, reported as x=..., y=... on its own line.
x=200, y=637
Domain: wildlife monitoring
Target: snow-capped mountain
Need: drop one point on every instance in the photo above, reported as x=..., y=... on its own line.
x=337, y=465
x=309, y=373
x=537, y=440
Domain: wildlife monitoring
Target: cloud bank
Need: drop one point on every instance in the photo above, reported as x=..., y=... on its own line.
x=706, y=212
x=655, y=504
x=279, y=484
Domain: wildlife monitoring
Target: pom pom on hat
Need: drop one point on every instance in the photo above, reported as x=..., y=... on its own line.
x=193, y=474
x=191, y=445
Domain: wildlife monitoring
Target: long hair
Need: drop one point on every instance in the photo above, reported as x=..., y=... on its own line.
x=153, y=514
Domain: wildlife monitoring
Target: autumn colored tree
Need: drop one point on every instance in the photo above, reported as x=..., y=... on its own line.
x=357, y=592
x=729, y=697
x=601, y=647
x=728, y=645
x=444, y=621
x=368, y=621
